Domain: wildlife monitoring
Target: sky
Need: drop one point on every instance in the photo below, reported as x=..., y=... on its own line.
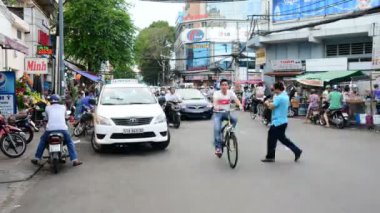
x=145, y=12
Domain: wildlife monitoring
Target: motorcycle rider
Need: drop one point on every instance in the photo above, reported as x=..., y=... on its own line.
x=335, y=98
x=171, y=96
x=56, y=114
x=313, y=103
x=376, y=94
x=259, y=96
x=222, y=100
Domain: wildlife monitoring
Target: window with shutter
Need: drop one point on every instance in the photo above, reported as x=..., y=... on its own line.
x=332, y=50
x=344, y=49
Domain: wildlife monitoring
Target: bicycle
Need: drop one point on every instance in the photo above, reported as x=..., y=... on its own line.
x=229, y=141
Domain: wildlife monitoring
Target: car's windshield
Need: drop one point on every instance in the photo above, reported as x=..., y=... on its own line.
x=190, y=94
x=126, y=96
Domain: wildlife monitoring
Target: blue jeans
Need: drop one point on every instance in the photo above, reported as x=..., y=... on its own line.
x=219, y=117
x=70, y=144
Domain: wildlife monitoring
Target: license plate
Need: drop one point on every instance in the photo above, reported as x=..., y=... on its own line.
x=345, y=114
x=133, y=131
x=55, y=148
x=315, y=112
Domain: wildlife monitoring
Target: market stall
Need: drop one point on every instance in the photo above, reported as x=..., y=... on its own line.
x=319, y=80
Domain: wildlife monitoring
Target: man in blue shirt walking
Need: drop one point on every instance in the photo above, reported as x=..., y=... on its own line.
x=276, y=132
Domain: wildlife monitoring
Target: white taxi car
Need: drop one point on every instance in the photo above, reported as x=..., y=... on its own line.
x=127, y=112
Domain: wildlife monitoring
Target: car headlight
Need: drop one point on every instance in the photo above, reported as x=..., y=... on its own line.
x=103, y=120
x=160, y=119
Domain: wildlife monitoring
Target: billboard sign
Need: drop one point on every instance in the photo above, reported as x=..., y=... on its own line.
x=195, y=35
x=261, y=57
x=220, y=50
x=286, y=64
x=197, y=56
x=36, y=65
x=284, y=10
x=7, y=93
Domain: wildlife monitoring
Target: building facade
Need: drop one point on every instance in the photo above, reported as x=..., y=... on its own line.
x=12, y=41
x=207, y=35
x=310, y=36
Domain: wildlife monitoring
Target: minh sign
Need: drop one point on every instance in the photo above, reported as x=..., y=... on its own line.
x=36, y=65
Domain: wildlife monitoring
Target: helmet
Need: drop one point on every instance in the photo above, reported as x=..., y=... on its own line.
x=55, y=99
x=335, y=87
x=328, y=87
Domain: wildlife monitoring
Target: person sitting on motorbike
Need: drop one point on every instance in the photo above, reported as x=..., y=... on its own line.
x=56, y=115
x=313, y=103
x=172, y=96
x=259, y=96
x=222, y=101
x=335, y=99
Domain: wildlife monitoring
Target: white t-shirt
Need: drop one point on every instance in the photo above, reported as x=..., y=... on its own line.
x=172, y=97
x=222, y=102
x=56, y=114
x=260, y=92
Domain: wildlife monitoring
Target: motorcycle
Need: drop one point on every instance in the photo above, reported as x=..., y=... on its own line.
x=173, y=113
x=84, y=124
x=314, y=116
x=25, y=123
x=335, y=117
x=12, y=144
x=57, y=150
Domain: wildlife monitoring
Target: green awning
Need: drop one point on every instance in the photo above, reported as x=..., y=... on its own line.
x=321, y=78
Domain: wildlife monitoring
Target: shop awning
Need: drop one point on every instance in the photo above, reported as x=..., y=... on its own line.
x=81, y=72
x=319, y=79
x=283, y=73
x=8, y=43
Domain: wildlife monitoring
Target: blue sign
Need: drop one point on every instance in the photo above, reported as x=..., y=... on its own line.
x=298, y=9
x=195, y=35
x=197, y=56
x=221, y=49
x=7, y=93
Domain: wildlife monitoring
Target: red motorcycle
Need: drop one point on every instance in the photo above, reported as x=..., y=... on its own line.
x=12, y=143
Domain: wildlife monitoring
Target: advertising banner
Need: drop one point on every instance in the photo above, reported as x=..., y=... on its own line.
x=7, y=93
x=222, y=49
x=36, y=65
x=193, y=35
x=197, y=56
x=298, y=9
x=287, y=64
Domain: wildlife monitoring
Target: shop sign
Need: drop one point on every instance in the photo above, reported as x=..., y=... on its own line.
x=44, y=50
x=36, y=65
x=196, y=78
x=7, y=93
x=261, y=57
x=195, y=35
x=43, y=38
x=287, y=64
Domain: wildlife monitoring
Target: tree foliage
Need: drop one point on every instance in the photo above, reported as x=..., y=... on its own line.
x=152, y=49
x=97, y=31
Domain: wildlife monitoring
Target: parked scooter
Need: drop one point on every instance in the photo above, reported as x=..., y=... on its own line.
x=25, y=123
x=12, y=144
x=84, y=124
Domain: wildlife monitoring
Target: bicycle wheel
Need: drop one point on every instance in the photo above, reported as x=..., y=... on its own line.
x=232, y=149
x=13, y=145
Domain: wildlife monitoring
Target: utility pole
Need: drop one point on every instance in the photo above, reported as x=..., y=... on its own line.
x=61, y=73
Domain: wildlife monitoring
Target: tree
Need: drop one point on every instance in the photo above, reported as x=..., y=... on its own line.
x=153, y=48
x=99, y=31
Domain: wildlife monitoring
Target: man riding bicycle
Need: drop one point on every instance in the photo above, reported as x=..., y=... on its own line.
x=222, y=100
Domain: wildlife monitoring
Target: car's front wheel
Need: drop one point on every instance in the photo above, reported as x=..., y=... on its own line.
x=161, y=145
x=95, y=146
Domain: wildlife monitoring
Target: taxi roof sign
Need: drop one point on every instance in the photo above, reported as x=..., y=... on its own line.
x=125, y=81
